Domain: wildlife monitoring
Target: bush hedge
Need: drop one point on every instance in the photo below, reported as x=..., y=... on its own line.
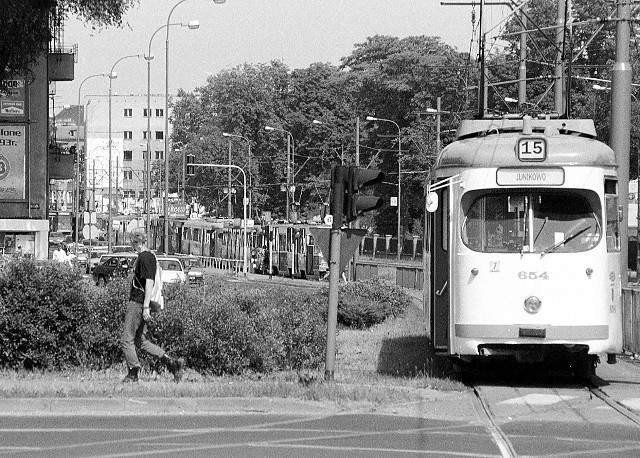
x=42, y=313
x=52, y=318
x=366, y=303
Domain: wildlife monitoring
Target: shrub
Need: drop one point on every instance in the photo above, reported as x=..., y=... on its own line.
x=365, y=303
x=259, y=330
x=101, y=331
x=42, y=309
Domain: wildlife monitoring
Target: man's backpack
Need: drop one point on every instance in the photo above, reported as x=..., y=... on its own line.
x=157, y=301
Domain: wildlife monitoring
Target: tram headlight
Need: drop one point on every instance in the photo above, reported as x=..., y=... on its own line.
x=532, y=304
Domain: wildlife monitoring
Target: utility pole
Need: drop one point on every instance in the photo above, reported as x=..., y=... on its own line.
x=621, y=123
x=229, y=208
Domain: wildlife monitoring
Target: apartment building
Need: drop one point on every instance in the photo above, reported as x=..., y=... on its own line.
x=130, y=119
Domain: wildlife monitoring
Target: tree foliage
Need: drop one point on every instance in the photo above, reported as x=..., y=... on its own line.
x=27, y=26
x=385, y=76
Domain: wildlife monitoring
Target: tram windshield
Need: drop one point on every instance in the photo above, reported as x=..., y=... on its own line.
x=531, y=221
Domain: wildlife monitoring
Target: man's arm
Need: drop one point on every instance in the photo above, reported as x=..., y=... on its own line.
x=148, y=288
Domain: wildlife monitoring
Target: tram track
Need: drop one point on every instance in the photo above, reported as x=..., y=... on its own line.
x=485, y=407
x=507, y=450
x=617, y=406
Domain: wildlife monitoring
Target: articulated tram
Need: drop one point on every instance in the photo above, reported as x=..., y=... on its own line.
x=525, y=243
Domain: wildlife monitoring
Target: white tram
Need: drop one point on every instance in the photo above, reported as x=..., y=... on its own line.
x=525, y=246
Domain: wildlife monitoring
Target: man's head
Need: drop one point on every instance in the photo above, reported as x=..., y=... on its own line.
x=138, y=240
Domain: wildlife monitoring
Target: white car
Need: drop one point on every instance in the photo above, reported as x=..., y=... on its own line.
x=172, y=269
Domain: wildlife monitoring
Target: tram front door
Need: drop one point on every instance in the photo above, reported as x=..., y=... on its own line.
x=440, y=267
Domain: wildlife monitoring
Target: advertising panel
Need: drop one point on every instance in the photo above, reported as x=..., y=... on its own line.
x=12, y=98
x=12, y=162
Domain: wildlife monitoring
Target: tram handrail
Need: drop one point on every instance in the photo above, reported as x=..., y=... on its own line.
x=631, y=320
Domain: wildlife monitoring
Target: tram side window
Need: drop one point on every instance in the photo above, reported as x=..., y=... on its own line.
x=445, y=219
x=613, y=224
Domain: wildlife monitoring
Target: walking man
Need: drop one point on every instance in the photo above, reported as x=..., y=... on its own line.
x=138, y=314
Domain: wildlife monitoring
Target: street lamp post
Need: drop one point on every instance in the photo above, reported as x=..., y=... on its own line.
x=437, y=112
x=290, y=164
x=77, y=190
x=341, y=156
x=245, y=201
x=225, y=134
x=166, y=128
x=371, y=118
x=192, y=26
x=112, y=76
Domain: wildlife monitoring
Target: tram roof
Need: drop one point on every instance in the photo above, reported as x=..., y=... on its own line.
x=481, y=127
x=492, y=143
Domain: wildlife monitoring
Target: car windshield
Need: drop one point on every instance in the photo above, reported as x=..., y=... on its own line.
x=193, y=262
x=532, y=221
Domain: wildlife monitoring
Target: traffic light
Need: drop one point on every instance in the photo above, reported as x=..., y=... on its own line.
x=356, y=203
x=191, y=169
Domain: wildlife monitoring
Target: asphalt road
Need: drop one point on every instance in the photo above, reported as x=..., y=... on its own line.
x=247, y=435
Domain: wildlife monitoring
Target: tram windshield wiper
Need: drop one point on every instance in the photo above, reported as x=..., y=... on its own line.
x=566, y=239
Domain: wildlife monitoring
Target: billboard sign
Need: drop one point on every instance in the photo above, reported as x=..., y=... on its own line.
x=12, y=98
x=12, y=162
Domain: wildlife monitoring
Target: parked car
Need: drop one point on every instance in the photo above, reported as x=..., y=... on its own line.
x=193, y=267
x=122, y=249
x=173, y=270
x=112, y=265
x=56, y=237
x=94, y=257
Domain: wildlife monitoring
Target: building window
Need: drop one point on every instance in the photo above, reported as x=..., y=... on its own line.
x=128, y=174
x=159, y=135
x=128, y=194
x=128, y=112
x=128, y=155
x=144, y=155
x=159, y=155
x=144, y=135
x=159, y=112
x=145, y=112
x=128, y=135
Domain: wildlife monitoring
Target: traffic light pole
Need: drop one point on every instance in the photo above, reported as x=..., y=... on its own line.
x=340, y=175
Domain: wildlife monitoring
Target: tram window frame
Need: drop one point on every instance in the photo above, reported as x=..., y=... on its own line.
x=528, y=221
x=612, y=215
x=445, y=220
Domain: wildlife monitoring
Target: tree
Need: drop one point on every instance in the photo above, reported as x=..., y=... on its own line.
x=27, y=26
x=398, y=79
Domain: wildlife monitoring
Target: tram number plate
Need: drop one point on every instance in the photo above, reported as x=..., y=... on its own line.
x=532, y=149
x=523, y=275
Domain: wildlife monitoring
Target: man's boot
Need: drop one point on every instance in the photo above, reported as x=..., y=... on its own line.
x=175, y=366
x=132, y=375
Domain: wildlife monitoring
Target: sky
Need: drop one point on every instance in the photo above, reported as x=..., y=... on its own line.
x=297, y=32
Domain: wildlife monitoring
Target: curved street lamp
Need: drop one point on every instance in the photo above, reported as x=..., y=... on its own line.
x=290, y=163
x=340, y=156
x=166, y=127
x=77, y=190
x=192, y=25
x=112, y=76
x=371, y=118
x=226, y=134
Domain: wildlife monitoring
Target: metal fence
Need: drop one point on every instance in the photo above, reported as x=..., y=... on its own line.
x=631, y=320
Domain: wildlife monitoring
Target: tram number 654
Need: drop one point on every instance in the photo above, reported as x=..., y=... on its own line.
x=523, y=275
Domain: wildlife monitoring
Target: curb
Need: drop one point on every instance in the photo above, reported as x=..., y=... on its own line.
x=167, y=406
x=445, y=406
